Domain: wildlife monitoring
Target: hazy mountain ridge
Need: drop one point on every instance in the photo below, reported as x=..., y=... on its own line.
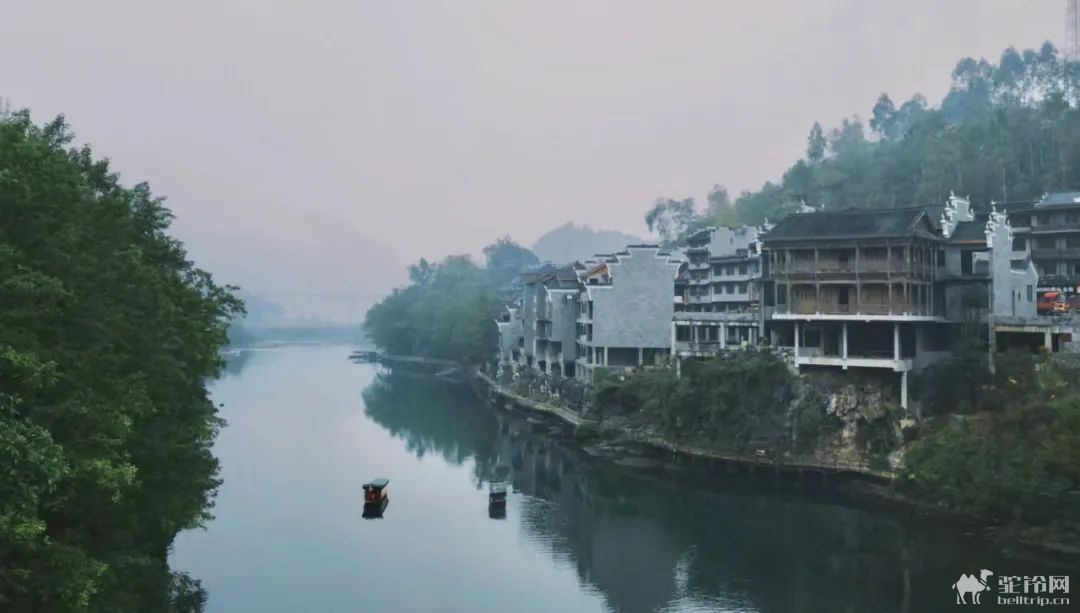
x=570, y=242
x=297, y=271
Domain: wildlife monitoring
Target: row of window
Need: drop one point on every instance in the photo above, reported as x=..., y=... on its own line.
x=1048, y=242
x=1046, y=219
x=721, y=288
x=733, y=269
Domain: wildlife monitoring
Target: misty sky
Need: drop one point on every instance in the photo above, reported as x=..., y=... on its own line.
x=291, y=135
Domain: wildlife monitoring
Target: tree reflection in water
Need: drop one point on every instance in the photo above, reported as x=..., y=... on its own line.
x=660, y=544
x=235, y=363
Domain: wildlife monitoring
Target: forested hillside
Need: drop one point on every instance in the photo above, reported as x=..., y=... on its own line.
x=1005, y=133
x=108, y=335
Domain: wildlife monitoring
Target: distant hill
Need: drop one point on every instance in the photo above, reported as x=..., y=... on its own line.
x=295, y=269
x=569, y=242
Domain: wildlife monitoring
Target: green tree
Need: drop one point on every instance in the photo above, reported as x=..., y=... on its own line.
x=447, y=312
x=815, y=144
x=506, y=260
x=721, y=210
x=672, y=219
x=1005, y=132
x=108, y=334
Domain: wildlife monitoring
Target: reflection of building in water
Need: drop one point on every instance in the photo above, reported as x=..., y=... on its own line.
x=647, y=543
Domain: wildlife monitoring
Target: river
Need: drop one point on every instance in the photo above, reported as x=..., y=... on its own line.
x=306, y=428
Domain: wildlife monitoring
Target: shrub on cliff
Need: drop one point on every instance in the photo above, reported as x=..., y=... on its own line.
x=1020, y=461
x=738, y=400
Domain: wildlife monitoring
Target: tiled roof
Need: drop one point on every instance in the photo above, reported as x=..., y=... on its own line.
x=971, y=231
x=535, y=275
x=850, y=223
x=1059, y=199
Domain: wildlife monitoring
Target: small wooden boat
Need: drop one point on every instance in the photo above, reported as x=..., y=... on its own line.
x=376, y=490
x=497, y=494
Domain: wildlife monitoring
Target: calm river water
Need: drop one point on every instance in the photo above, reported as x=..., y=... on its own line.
x=307, y=428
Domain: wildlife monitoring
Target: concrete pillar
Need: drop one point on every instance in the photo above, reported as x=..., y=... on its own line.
x=896, y=341
x=673, y=338
x=1048, y=341
x=798, y=332
x=903, y=389
x=678, y=367
x=843, y=344
x=640, y=356
x=723, y=336
x=605, y=356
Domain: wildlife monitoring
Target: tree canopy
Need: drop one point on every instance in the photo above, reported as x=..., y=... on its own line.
x=1005, y=132
x=107, y=336
x=448, y=310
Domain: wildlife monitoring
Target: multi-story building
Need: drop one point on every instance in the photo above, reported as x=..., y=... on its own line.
x=720, y=289
x=556, y=313
x=883, y=289
x=511, y=333
x=625, y=308
x=530, y=286
x=1049, y=230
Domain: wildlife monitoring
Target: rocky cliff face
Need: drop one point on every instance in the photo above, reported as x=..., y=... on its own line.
x=849, y=419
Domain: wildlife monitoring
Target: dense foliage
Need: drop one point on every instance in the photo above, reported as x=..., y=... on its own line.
x=739, y=401
x=448, y=310
x=107, y=335
x=1015, y=453
x=1006, y=132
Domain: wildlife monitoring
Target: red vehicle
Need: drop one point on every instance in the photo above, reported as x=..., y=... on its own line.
x=1052, y=303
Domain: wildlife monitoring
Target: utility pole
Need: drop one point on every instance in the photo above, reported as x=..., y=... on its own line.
x=991, y=339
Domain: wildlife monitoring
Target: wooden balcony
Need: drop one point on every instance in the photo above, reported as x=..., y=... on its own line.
x=813, y=307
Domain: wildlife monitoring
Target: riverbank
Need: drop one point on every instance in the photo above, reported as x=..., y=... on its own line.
x=590, y=430
x=641, y=450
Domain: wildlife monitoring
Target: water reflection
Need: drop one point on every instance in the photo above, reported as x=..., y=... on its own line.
x=375, y=510
x=235, y=362
x=657, y=544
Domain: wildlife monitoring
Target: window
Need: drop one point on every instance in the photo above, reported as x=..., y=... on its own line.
x=811, y=338
x=1030, y=294
x=1044, y=219
x=742, y=288
x=1019, y=244
x=781, y=294
x=941, y=258
x=1072, y=242
x=742, y=269
x=730, y=269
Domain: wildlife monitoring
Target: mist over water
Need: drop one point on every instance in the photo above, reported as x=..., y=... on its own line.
x=307, y=428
